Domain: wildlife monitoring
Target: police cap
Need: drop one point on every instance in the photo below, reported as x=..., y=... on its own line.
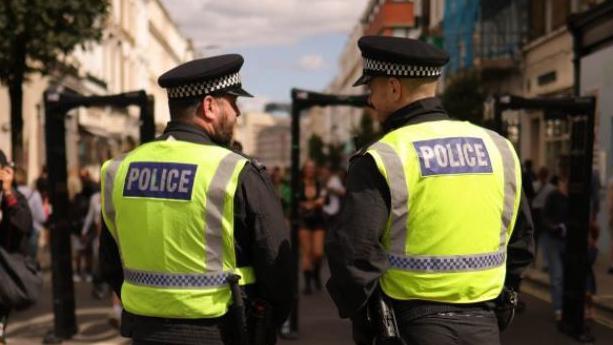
x=399, y=57
x=201, y=77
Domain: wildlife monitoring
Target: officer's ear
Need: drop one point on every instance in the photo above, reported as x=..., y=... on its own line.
x=209, y=108
x=394, y=87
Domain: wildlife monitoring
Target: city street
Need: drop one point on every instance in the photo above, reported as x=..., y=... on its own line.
x=319, y=323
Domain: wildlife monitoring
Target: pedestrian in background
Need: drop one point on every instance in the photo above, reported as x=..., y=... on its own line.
x=15, y=226
x=335, y=191
x=434, y=224
x=82, y=245
x=279, y=182
x=312, y=229
x=542, y=187
x=555, y=227
x=37, y=209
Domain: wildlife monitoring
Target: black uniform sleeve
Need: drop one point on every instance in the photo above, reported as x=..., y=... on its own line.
x=110, y=261
x=262, y=239
x=520, y=250
x=355, y=254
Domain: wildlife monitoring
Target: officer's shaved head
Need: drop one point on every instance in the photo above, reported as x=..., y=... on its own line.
x=425, y=86
x=184, y=109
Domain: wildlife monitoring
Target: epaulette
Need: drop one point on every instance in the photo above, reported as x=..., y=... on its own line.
x=362, y=150
x=256, y=163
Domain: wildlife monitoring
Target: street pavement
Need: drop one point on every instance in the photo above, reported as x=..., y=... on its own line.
x=318, y=323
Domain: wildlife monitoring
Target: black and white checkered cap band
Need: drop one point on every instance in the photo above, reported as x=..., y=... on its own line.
x=448, y=263
x=204, y=87
x=400, y=70
x=167, y=280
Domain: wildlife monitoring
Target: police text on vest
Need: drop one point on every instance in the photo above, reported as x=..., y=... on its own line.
x=160, y=180
x=452, y=156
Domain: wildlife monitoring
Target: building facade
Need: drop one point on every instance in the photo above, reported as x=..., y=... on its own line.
x=140, y=41
x=401, y=18
x=265, y=137
x=273, y=144
x=523, y=48
x=593, y=45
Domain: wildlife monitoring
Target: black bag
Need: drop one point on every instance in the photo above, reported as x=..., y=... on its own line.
x=20, y=280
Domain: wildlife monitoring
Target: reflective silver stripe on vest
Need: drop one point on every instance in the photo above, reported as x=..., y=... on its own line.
x=215, y=202
x=510, y=185
x=452, y=263
x=172, y=280
x=109, y=183
x=399, y=196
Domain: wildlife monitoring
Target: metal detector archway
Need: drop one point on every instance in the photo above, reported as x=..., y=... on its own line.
x=579, y=111
x=303, y=100
x=56, y=107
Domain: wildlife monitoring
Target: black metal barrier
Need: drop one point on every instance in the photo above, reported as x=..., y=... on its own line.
x=302, y=100
x=56, y=107
x=579, y=112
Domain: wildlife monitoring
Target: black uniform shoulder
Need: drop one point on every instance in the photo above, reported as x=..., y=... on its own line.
x=362, y=150
x=258, y=166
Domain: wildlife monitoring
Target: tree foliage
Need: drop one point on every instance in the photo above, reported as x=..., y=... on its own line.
x=325, y=154
x=316, y=150
x=463, y=98
x=365, y=133
x=36, y=35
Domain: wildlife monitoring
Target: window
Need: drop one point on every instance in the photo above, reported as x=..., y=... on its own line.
x=547, y=78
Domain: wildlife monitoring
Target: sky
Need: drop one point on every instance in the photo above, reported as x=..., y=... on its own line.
x=285, y=43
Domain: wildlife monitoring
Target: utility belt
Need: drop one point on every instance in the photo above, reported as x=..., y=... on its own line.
x=503, y=307
x=252, y=319
x=415, y=309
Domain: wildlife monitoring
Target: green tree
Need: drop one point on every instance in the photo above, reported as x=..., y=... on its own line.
x=35, y=37
x=365, y=132
x=335, y=155
x=316, y=150
x=463, y=98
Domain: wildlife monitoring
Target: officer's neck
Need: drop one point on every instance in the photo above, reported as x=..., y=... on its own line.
x=406, y=101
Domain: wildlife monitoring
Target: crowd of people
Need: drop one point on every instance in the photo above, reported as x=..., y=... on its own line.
x=548, y=194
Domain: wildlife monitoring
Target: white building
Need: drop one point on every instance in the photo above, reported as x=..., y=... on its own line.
x=273, y=144
x=265, y=137
x=337, y=124
x=139, y=43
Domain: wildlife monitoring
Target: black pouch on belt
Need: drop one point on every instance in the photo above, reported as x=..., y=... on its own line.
x=504, y=307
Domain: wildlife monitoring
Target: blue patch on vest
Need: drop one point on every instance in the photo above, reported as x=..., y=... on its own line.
x=452, y=156
x=160, y=180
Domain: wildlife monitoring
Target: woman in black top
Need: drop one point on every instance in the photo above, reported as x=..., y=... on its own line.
x=311, y=226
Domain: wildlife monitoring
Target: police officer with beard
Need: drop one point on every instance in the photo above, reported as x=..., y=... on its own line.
x=434, y=224
x=185, y=217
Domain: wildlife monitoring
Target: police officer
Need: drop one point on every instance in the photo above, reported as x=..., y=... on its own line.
x=184, y=215
x=430, y=220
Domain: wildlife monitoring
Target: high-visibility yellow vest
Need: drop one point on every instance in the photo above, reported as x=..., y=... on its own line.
x=455, y=193
x=170, y=207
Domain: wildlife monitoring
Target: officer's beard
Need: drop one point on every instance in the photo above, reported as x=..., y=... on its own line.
x=224, y=130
